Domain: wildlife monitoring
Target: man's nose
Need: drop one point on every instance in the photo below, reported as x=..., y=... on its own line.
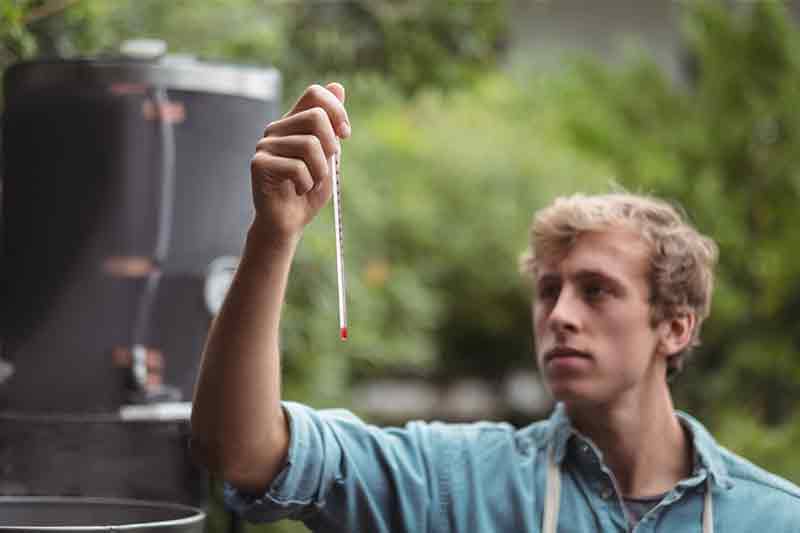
x=564, y=316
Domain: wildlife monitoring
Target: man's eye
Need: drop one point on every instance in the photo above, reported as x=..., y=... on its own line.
x=548, y=292
x=594, y=292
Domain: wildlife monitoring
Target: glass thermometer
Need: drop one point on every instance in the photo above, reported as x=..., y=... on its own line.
x=337, y=228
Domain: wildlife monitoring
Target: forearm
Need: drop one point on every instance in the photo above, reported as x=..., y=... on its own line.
x=239, y=429
x=238, y=426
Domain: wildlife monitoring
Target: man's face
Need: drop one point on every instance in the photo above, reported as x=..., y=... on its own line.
x=594, y=339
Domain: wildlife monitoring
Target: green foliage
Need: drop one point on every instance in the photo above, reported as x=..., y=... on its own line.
x=412, y=44
x=15, y=41
x=415, y=44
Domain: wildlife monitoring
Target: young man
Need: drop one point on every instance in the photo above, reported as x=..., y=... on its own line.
x=622, y=285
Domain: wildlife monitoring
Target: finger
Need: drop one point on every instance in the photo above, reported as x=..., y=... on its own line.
x=271, y=171
x=320, y=194
x=305, y=147
x=312, y=121
x=319, y=96
x=337, y=89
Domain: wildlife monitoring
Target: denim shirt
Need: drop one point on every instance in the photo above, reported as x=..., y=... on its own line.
x=343, y=475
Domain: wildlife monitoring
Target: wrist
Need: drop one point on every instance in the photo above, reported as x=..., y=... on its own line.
x=268, y=241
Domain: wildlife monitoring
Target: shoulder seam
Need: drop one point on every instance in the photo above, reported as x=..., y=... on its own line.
x=766, y=483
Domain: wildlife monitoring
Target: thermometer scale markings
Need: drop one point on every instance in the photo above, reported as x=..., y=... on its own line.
x=337, y=227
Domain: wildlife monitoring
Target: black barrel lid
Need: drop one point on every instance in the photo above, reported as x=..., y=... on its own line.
x=170, y=72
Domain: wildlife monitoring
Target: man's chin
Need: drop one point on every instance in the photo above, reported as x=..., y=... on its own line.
x=570, y=394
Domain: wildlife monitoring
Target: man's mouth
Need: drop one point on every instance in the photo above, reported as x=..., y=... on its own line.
x=564, y=351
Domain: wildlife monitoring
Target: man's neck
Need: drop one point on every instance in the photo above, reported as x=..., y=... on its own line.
x=642, y=442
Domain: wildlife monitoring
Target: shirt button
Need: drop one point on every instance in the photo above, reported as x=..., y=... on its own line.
x=606, y=493
x=585, y=448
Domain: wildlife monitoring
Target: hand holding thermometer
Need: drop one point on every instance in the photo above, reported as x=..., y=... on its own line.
x=337, y=228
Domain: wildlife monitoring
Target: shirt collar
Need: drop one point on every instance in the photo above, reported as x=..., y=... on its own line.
x=707, y=454
x=707, y=451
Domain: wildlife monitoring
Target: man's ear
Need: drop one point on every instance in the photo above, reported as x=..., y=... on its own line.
x=676, y=332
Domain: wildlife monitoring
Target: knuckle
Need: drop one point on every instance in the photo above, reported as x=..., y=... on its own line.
x=318, y=115
x=312, y=144
x=263, y=144
x=297, y=169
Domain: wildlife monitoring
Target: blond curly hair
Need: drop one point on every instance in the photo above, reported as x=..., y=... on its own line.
x=682, y=260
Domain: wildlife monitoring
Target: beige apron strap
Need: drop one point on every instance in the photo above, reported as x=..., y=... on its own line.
x=708, y=509
x=552, y=497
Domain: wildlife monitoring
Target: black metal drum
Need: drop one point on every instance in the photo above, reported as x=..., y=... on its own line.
x=124, y=181
x=78, y=515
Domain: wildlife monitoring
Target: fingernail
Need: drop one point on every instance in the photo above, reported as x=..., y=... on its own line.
x=344, y=129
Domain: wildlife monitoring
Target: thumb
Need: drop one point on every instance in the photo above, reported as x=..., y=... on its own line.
x=337, y=89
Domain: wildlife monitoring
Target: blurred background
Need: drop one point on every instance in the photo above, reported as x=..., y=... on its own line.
x=467, y=117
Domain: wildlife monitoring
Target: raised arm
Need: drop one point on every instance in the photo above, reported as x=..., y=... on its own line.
x=239, y=430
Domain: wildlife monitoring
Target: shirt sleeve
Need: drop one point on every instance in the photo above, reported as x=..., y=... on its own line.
x=345, y=475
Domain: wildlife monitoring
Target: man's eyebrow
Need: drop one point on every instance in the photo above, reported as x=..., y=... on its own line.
x=587, y=274
x=548, y=277
x=605, y=277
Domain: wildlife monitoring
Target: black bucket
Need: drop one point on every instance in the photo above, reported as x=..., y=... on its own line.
x=96, y=515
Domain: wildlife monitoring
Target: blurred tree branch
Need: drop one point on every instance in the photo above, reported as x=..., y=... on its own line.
x=47, y=9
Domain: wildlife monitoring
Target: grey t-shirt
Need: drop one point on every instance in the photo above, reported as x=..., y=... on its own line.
x=638, y=507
